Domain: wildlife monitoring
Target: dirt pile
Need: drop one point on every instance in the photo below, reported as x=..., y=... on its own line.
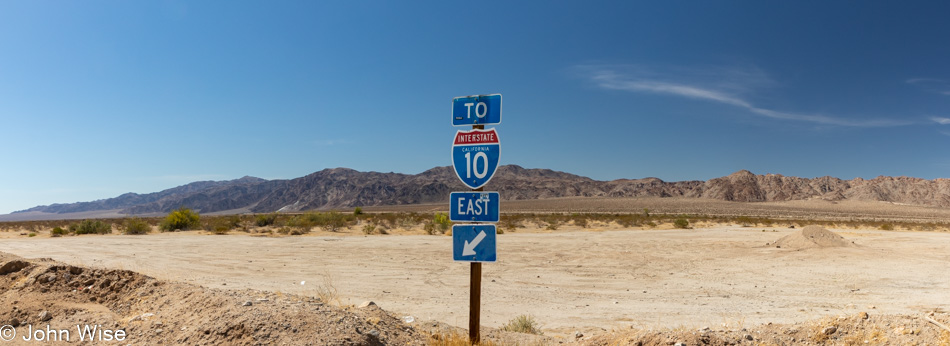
x=812, y=237
x=46, y=294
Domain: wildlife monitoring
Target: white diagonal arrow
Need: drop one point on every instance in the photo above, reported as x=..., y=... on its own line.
x=469, y=248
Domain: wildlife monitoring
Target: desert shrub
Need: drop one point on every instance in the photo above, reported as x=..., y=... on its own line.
x=327, y=291
x=407, y=222
x=302, y=223
x=630, y=220
x=223, y=224
x=446, y=337
x=553, y=222
x=887, y=227
x=681, y=223
x=58, y=232
x=745, y=221
x=383, y=220
x=32, y=234
x=136, y=226
x=510, y=222
x=182, y=219
x=220, y=225
x=357, y=211
x=580, y=220
x=523, y=324
x=332, y=221
x=90, y=227
x=264, y=220
x=369, y=228
x=442, y=222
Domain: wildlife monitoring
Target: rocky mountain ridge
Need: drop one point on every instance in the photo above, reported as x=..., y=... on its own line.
x=347, y=188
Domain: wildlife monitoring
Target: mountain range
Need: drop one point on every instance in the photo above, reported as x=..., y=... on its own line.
x=340, y=188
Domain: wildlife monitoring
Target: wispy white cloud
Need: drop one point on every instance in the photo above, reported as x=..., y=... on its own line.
x=725, y=86
x=924, y=80
x=934, y=85
x=940, y=120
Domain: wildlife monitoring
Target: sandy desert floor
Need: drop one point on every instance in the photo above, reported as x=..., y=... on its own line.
x=569, y=281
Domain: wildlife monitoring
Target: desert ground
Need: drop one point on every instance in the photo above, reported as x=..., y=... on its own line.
x=814, y=209
x=574, y=281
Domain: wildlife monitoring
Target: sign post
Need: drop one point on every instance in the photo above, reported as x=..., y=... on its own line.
x=475, y=156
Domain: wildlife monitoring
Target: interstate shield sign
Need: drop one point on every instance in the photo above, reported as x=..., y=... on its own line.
x=475, y=156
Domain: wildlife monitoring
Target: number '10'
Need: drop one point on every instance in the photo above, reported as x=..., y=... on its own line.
x=469, y=162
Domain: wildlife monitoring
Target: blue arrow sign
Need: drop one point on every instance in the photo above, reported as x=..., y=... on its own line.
x=476, y=110
x=474, y=206
x=475, y=156
x=474, y=243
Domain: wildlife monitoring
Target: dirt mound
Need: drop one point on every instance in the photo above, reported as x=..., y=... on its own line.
x=812, y=237
x=45, y=293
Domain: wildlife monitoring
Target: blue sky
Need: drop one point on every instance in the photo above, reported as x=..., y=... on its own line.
x=99, y=98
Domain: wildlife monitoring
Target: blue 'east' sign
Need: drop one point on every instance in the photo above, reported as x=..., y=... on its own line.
x=474, y=206
x=476, y=110
x=475, y=156
x=474, y=243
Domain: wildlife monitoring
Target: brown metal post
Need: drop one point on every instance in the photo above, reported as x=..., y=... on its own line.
x=475, y=301
x=475, y=291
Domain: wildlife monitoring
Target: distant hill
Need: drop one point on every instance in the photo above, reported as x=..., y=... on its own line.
x=130, y=199
x=347, y=188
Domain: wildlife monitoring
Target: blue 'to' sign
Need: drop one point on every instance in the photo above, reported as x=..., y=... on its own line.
x=475, y=156
x=476, y=110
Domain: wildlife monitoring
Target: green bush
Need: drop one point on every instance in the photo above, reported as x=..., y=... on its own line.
x=442, y=222
x=681, y=223
x=90, y=227
x=331, y=221
x=369, y=228
x=265, y=219
x=182, y=219
x=220, y=228
x=222, y=224
x=302, y=223
x=58, y=232
x=887, y=227
x=358, y=211
x=136, y=226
